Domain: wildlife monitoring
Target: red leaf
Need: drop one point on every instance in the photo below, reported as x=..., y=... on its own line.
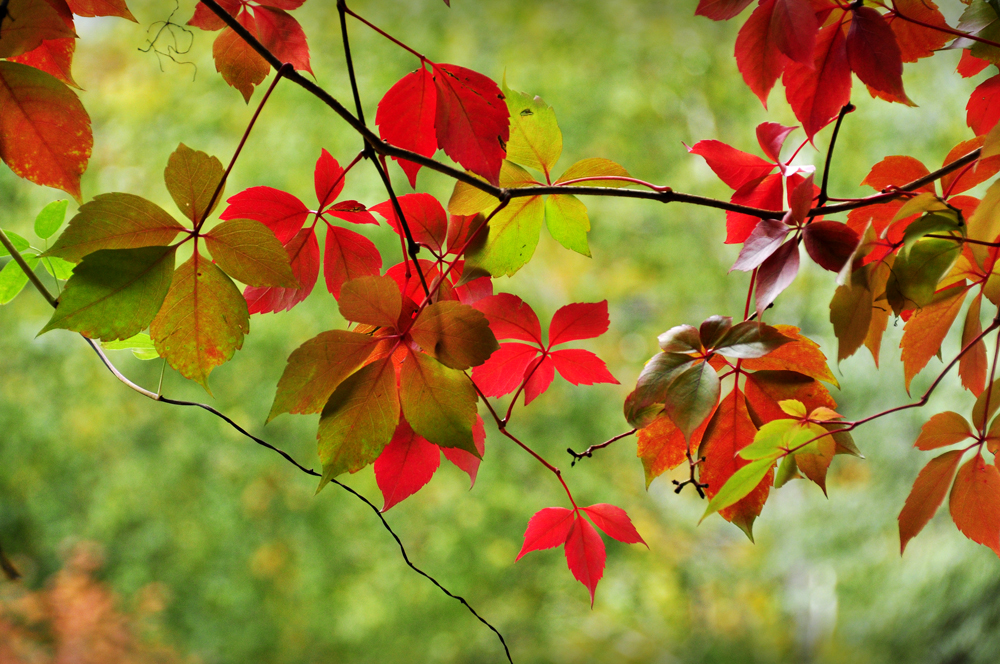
x=776, y=274
x=757, y=56
x=206, y=19
x=541, y=372
x=897, y=171
x=970, y=65
x=282, y=4
x=765, y=389
x=919, y=41
x=803, y=356
x=348, y=255
x=583, y=320
x=405, y=118
x=830, y=243
x=585, y=555
x=352, y=212
x=471, y=120
x=406, y=464
x=104, y=8
x=282, y=35
x=328, y=179
x=975, y=502
x=581, y=367
x=874, y=54
x=280, y=211
x=614, y=522
x=547, y=529
x=721, y=10
x=765, y=195
x=765, y=239
x=411, y=287
x=983, y=109
x=467, y=461
x=771, y=137
x=927, y=494
x=504, y=371
x=511, y=318
x=793, y=29
x=46, y=131
x=52, y=56
x=816, y=93
x=462, y=228
x=662, y=447
x=427, y=220
x=733, y=167
x=303, y=254
x=970, y=175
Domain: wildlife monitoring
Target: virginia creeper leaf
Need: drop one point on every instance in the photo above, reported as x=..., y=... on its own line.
x=830, y=243
x=776, y=274
x=535, y=139
x=425, y=217
x=757, y=56
x=538, y=377
x=650, y=394
x=681, y=339
x=750, y=340
x=917, y=41
x=585, y=555
x=692, y=396
x=438, y=402
x=469, y=463
x=771, y=137
x=943, y=429
x=282, y=35
x=983, y=109
x=972, y=366
x=927, y=494
x=328, y=179
x=874, y=54
x=283, y=213
x=662, y=447
x=405, y=118
x=454, y=333
x=114, y=294
x=567, y=221
x=511, y=318
x=247, y=250
x=505, y=370
x=584, y=320
x=241, y=66
x=614, y=522
x=371, y=300
x=27, y=24
x=101, y=8
x=925, y=332
x=547, y=529
x=740, y=484
x=793, y=29
x=817, y=92
x=13, y=279
x=471, y=120
x=202, y=321
x=594, y=167
x=192, y=177
x=721, y=10
x=46, y=131
x=348, y=255
x=316, y=368
x=766, y=237
x=765, y=194
x=52, y=56
x=405, y=465
x=733, y=167
x=303, y=256
x=975, y=502
x=50, y=219
x=581, y=367
x=359, y=420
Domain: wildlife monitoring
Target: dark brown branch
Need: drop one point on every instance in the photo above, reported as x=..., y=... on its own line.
x=589, y=452
x=8, y=568
x=823, y=197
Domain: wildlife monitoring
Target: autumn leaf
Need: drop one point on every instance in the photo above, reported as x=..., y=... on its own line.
x=925, y=332
x=547, y=529
x=240, y=65
x=585, y=555
x=28, y=24
x=426, y=219
x=454, y=333
x=371, y=300
x=817, y=91
x=52, y=56
x=202, y=321
x=115, y=293
x=406, y=464
x=943, y=429
x=721, y=10
x=247, y=250
x=535, y=138
x=614, y=522
x=283, y=213
x=405, y=118
x=46, y=131
x=192, y=177
x=927, y=494
x=348, y=255
x=438, y=402
x=975, y=502
x=874, y=54
x=303, y=256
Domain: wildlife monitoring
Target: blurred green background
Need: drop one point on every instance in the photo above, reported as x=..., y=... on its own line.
x=253, y=568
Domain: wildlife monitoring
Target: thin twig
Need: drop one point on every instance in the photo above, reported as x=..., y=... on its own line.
x=32, y=277
x=589, y=452
x=847, y=108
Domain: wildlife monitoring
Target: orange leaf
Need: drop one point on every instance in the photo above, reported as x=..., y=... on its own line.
x=661, y=446
x=729, y=431
x=927, y=495
x=101, y=8
x=765, y=389
x=924, y=332
x=918, y=41
x=45, y=133
x=972, y=366
x=802, y=355
x=240, y=65
x=814, y=466
x=975, y=502
x=972, y=174
x=27, y=23
x=943, y=429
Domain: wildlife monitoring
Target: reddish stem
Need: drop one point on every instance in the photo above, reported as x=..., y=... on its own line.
x=946, y=30
x=383, y=33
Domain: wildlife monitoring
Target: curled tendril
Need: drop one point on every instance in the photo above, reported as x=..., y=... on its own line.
x=168, y=30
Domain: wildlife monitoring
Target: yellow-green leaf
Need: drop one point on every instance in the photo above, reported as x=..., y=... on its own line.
x=192, y=177
x=567, y=221
x=535, y=138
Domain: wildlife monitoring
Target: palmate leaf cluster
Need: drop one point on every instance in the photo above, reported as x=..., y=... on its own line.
x=744, y=403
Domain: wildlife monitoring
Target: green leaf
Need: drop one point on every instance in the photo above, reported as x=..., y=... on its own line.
x=984, y=225
x=316, y=368
x=567, y=221
x=680, y=339
x=691, y=396
x=456, y=334
x=594, y=167
x=19, y=243
x=468, y=200
x=115, y=221
x=13, y=279
x=358, y=420
x=438, y=402
x=140, y=345
x=945, y=222
x=750, y=340
x=535, y=139
x=202, y=322
x=915, y=277
x=650, y=394
x=787, y=471
x=115, y=293
x=511, y=238
x=371, y=300
x=742, y=482
x=769, y=439
x=924, y=202
x=50, y=219
x=192, y=177
x=249, y=251
x=58, y=268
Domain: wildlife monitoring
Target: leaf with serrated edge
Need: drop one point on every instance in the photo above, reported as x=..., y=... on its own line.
x=925, y=332
x=750, y=340
x=943, y=429
x=614, y=522
x=535, y=139
x=405, y=118
x=240, y=65
x=929, y=490
x=27, y=23
x=316, y=368
x=371, y=300
x=456, y=334
x=202, y=322
x=595, y=167
x=439, y=403
x=359, y=420
x=547, y=529
x=192, y=177
x=247, y=250
x=114, y=294
x=742, y=482
x=975, y=502
x=567, y=221
x=580, y=320
x=406, y=464
x=585, y=555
